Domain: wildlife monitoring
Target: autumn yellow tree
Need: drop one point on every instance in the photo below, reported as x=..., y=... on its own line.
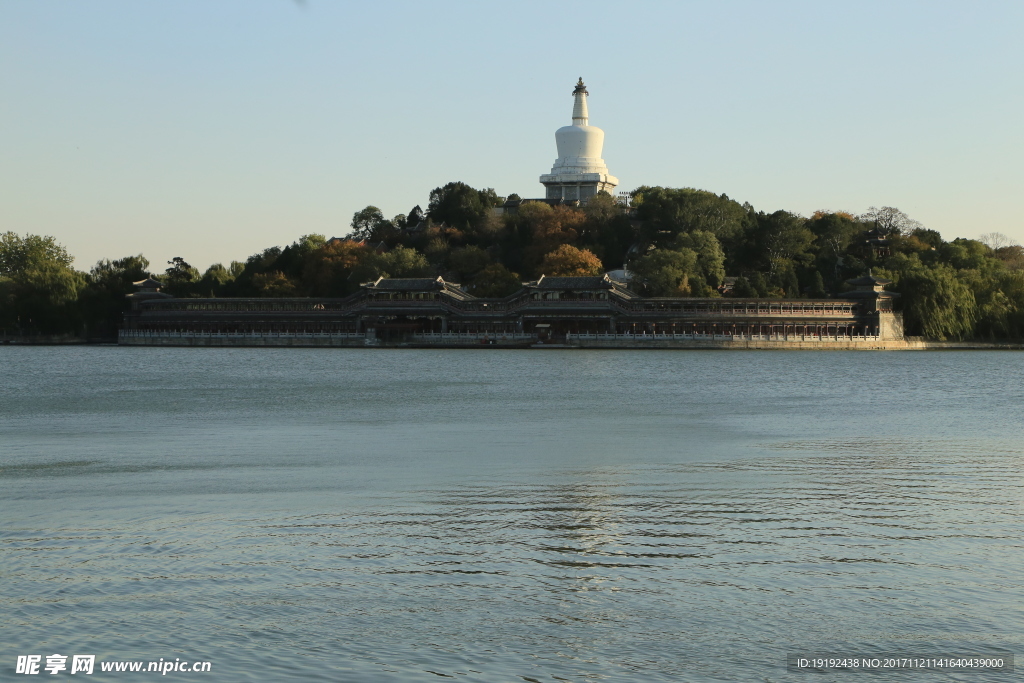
x=568, y=261
x=274, y=284
x=327, y=269
x=550, y=228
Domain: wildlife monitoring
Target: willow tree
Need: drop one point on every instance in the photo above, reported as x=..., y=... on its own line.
x=38, y=286
x=710, y=257
x=938, y=304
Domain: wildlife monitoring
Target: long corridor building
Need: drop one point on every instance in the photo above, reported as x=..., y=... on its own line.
x=567, y=310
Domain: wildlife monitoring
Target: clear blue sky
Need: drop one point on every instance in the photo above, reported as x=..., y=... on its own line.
x=212, y=129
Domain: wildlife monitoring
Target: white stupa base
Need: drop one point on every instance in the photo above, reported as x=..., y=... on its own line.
x=581, y=186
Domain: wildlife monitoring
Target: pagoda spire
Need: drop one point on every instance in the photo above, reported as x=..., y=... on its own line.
x=580, y=116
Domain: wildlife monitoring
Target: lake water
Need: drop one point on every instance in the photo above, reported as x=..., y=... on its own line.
x=410, y=515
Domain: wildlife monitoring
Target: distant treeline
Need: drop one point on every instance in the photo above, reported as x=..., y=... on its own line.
x=674, y=242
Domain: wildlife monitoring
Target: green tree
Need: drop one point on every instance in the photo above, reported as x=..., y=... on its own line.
x=214, y=280
x=120, y=274
x=217, y=274
x=607, y=230
x=495, y=281
x=743, y=289
x=437, y=251
x=292, y=262
x=937, y=304
x=783, y=240
x=274, y=284
x=833, y=233
x=263, y=262
x=710, y=256
x=405, y=262
x=180, y=277
x=818, y=288
x=965, y=254
x=666, y=212
x=1008, y=322
x=38, y=286
x=468, y=261
x=369, y=224
x=665, y=272
x=399, y=262
x=602, y=208
x=1012, y=256
x=910, y=244
x=999, y=294
x=790, y=283
x=102, y=301
x=759, y=285
x=460, y=205
x=293, y=259
x=930, y=237
x=21, y=255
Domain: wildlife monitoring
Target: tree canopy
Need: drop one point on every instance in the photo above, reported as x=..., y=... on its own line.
x=666, y=212
x=460, y=205
x=673, y=242
x=666, y=272
x=38, y=286
x=568, y=261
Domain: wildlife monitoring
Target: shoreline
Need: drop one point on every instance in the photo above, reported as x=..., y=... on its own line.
x=496, y=342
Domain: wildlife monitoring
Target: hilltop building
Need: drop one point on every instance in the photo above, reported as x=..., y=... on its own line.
x=579, y=171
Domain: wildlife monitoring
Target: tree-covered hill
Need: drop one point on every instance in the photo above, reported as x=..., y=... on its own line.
x=674, y=242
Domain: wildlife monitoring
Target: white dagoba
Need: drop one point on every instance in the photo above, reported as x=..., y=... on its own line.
x=579, y=172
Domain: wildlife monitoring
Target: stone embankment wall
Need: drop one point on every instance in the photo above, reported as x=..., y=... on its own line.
x=795, y=345
x=438, y=340
x=464, y=341
x=277, y=340
x=789, y=345
x=51, y=340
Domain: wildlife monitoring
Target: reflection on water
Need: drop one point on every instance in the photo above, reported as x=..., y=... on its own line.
x=689, y=517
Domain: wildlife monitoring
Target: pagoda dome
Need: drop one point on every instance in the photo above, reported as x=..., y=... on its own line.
x=580, y=145
x=579, y=150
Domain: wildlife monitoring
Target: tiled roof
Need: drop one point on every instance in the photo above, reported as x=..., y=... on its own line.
x=457, y=293
x=419, y=284
x=624, y=292
x=409, y=283
x=868, y=294
x=589, y=282
x=869, y=280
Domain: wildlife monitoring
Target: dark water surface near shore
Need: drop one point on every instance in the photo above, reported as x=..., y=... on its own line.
x=401, y=515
